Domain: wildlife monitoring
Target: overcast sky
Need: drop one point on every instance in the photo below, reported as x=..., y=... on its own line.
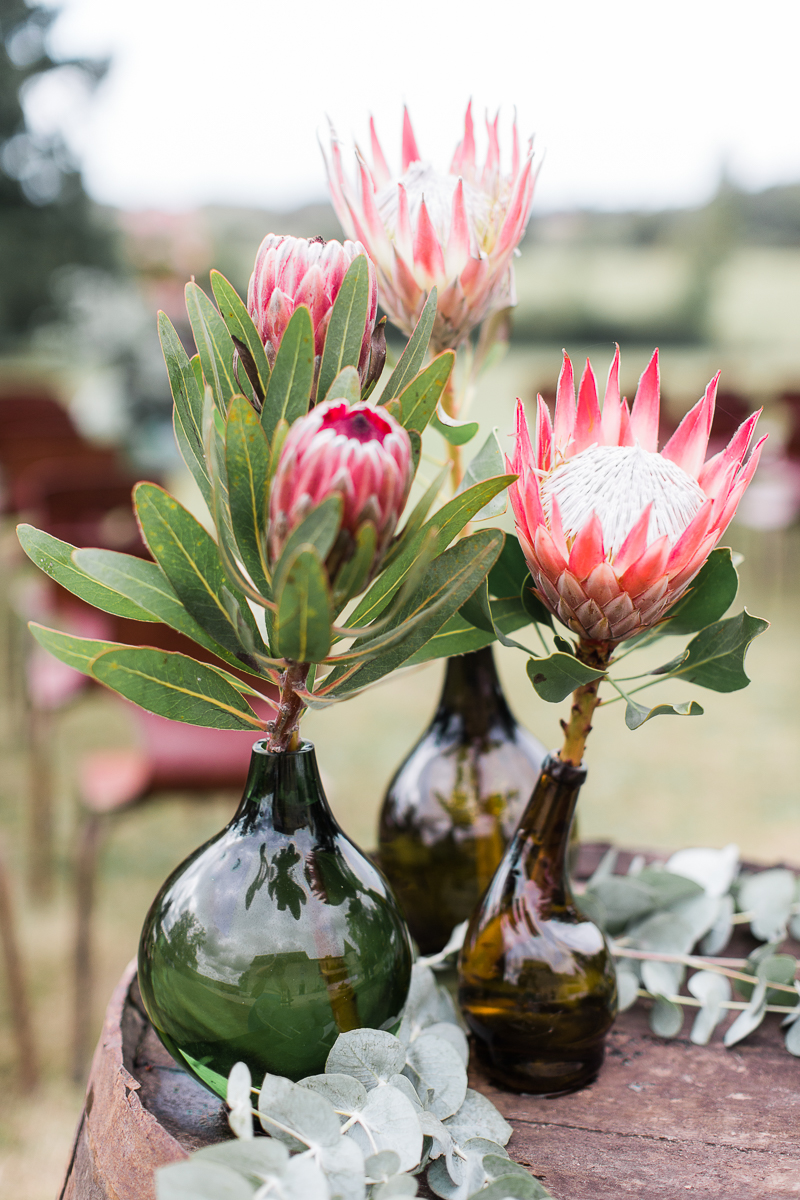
x=636, y=102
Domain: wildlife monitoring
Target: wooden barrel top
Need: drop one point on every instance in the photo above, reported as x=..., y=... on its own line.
x=664, y=1119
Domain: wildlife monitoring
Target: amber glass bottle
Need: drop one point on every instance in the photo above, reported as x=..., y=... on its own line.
x=536, y=980
x=455, y=802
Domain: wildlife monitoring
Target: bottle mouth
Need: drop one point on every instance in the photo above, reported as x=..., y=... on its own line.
x=260, y=747
x=563, y=772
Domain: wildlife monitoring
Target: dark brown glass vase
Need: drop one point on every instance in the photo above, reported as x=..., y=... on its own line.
x=536, y=979
x=455, y=802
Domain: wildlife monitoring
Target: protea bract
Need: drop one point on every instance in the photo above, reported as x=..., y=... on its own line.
x=360, y=452
x=290, y=271
x=612, y=530
x=456, y=230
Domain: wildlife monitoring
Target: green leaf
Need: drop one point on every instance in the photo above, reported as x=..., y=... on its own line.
x=438, y=1068
x=447, y=583
x=292, y=377
x=637, y=714
x=305, y=612
x=346, y=386
x=457, y=433
x=319, y=529
x=240, y=326
x=412, y=357
x=76, y=652
x=716, y=655
x=419, y=399
x=417, y=517
x=666, y=1018
x=174, y=686
x=353, y=575
x=478, y=1117
x=448, y=522
x=188, y=401
x=217, y=1083
x=54, y=557
x=457, y=636
x=509, y=572
x=347, y=323
x=292, y=1113
x=189, y=558
x=371, y=1056
x=247, y=462
x=486, y=464
x=388, y=1121
x=192, y=1180
x=711, y=594
x=214, y=345
x=194, y=459
x=536, y=610
x=554, y=678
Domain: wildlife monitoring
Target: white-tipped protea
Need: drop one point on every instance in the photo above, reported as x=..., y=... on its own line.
x=359, y=451
x=290, y=271
x=456, y=230
x=614, y=531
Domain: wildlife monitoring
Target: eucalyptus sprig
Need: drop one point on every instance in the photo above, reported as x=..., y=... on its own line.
x=281, y=606
x=385, y=1110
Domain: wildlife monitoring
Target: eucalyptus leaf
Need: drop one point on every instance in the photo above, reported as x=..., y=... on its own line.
x=174, y=686
x=792, y=1040
x=388, y=1121
x=716, y=655
x=413, y=355
x=296, y=1115
x=346, y=1093
x=254, y=1157
x=712, y=989
x=382, y=1165
x=666, y=1018
x=513, y=1187
x=769, y=896
x=712, y=592
x=662, y=978
x=438, y=1065
x=398, y=1186
x=478, y=1117
x=714, y=870
x=346, y=325
x=556, y=677
x=627, y=985
x=750, y=1018
x=719, y=932
x=343, y=1164
x=292, y=376
x=193, y=1180
x=369, y=1055
x=453, y=1034
x=662, y=933
x=623, y=899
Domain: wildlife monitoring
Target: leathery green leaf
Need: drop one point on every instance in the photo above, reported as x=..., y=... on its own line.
x=247, y=462
x=189, y=558
x=486, y=464
x=214, y=345
x=346, y=386
x=347, y=323
x=76, y=652
x=318, y=529
x=710, y=595
x=457, y=433
x=412, y=357
x=716, y=655
x=194, y=459
x=353, y=575
x=240, y=326
x=305, y=612
x=54, y=557
x=174, y=686
x=555, y=677
x=637, y=714
x=187, y=396
x=292, y=377
x=419, y=399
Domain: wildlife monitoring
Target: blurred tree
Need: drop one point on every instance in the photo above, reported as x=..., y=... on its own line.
x=46, y=219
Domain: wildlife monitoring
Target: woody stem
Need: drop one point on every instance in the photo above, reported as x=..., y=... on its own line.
x=585, y=700
x=283, y=733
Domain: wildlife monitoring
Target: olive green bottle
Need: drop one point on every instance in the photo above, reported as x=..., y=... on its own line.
x=537, y=984
x=273, y=937
x=455, y=801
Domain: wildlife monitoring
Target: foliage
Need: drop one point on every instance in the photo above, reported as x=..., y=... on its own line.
x=385, y=1110
x=231, y=416
x=713, y=658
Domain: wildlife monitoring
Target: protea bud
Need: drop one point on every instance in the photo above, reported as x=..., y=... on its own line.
x=359, y=451
x=290, y=271
x=456, y=230
x=614, y=531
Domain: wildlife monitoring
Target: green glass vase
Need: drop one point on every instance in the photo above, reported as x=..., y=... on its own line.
x=455, y=801
x=537, y=984
x=274, y=937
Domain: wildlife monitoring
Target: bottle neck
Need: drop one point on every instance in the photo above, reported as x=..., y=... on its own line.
x=543, y=833
x=472, y=698
x=285, y=791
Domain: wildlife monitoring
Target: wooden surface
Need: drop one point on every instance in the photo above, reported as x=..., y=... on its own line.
x=664, y=1119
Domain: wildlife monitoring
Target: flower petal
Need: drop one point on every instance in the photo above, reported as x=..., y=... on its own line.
x=647, y=569
x=587, y=430
x=688, y=444
x=644, y=415
x=380, y=168
x=565, y=406
x=610, y=421
x=544, y=436
x=587, y=549
x=410, y=151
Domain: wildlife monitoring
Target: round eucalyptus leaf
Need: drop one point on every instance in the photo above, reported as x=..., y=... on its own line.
x=662, y=978
x=303, y=1179
x=344, y=1092
x=388, y=1121
x=627, y=985
x=404, y=1085
x=720, y=932
x=699, y=913
x=193, y=1180
x=398, y=1185
x=427, y=1003
x=469, y=1176
x=663, y=933
x=440, y=1067
x=381, y=1165
x=498, y=1165
x=294, y=1114
x=514, y=1187
x=793, y=1038
x=750, y=1018
x=442, y=1141
x=370, y=1055
x=343, y=1164
x=714, y=869
x=253, y=1158
x=666, y=1018
x=452, y=1034
x=769, y=896
x=478, y=1118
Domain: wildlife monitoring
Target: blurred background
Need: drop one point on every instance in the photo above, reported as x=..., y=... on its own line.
x=141, y=147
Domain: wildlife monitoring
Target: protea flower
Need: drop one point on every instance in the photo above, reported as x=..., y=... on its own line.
x=455, y=230
x=354, y=449
x=290, y=271
x=614, y=531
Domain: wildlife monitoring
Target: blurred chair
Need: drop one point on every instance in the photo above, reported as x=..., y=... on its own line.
x=170, y=757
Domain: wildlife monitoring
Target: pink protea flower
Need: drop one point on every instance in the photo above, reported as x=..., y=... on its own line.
x=613, y=531
x=354, y=449
x=455, y=230
x=290, y=271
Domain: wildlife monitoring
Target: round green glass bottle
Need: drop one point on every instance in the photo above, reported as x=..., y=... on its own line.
x=455, y=801
x=274, y=937
x=537, y=984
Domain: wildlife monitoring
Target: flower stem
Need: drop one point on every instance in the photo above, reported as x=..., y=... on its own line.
x=584, y=701
x=451, y=406
x=283, y=733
